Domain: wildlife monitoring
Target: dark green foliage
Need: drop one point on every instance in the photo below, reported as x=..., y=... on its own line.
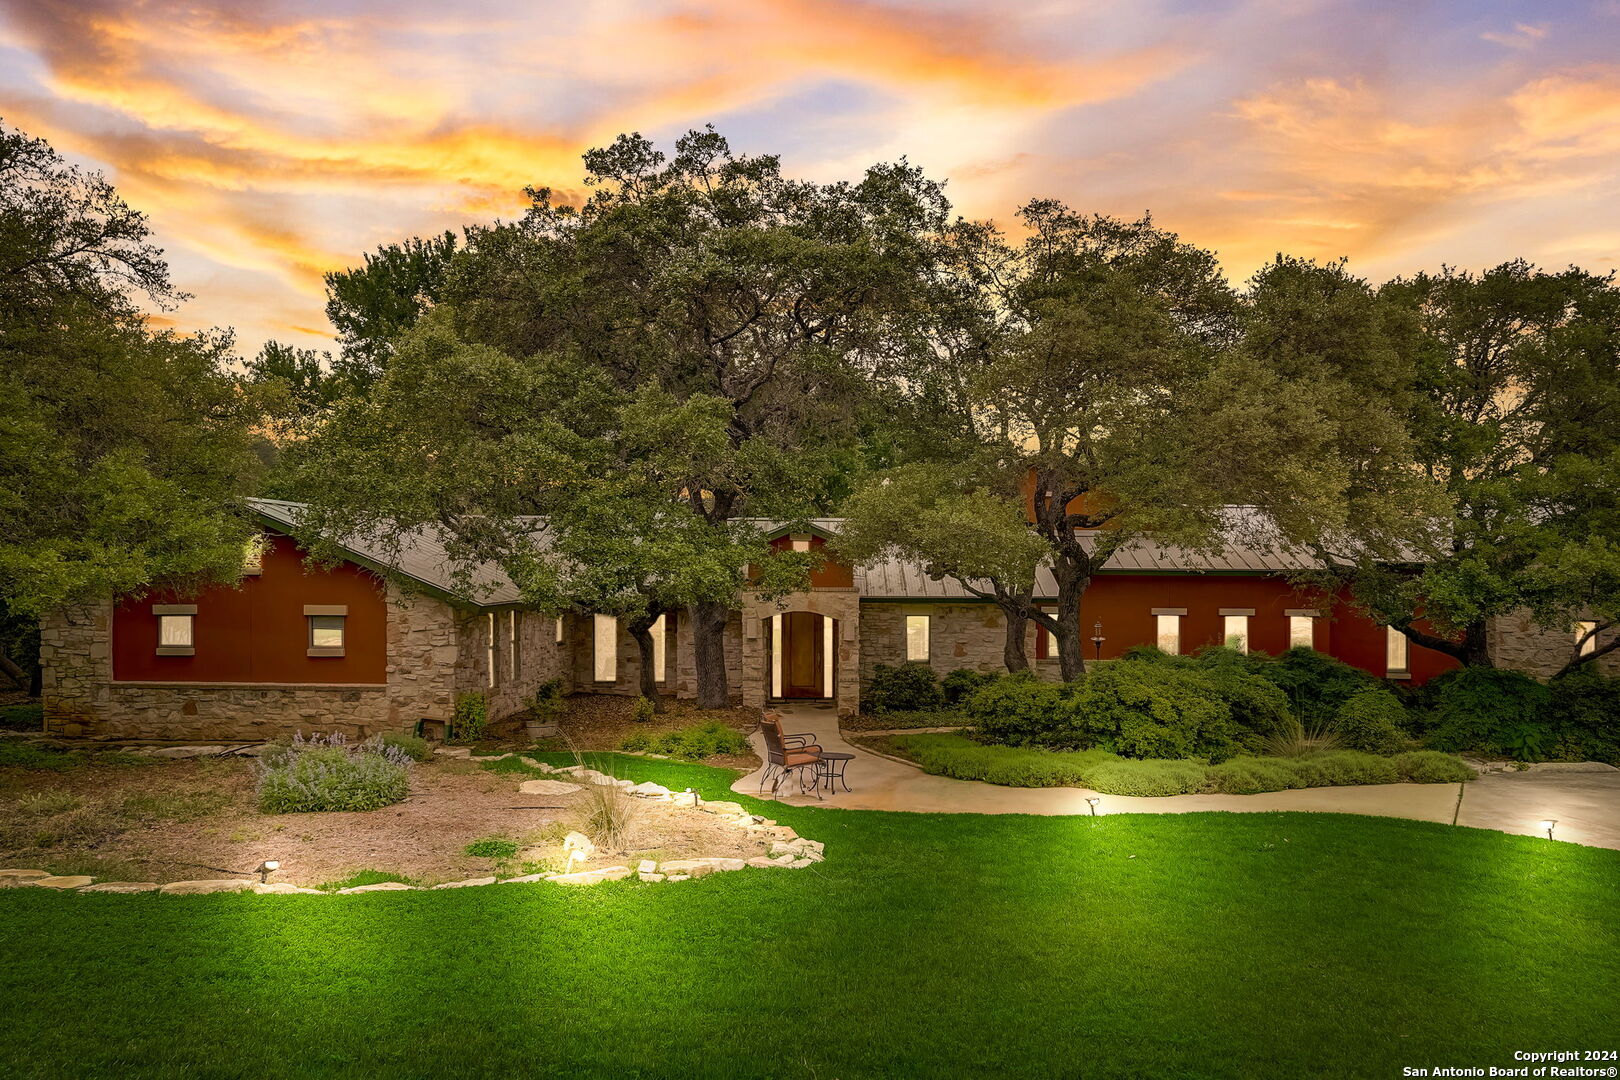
x=22, y=717
x=470, y=719
x=1249, y=776
x=689, y=743
x=492, y=847
x=1258, y=707
x=366, y=877
x=415, y=748
x=1584, y=708
x=1431, y=767
x=547, y=703
x=1016, y=710
x=643, y=710
x=1149, y=710
x=1491, y=710
x=1123, y=776
x=1373, y=720
x=904, y=687
x=1316, y=685
x=26, y=755
x=963, y=681
x=955, y=755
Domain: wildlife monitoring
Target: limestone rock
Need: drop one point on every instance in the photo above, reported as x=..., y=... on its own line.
x=454, y=751
x=579, y=844
x=730, y=808
x=123, y=887
x=689, y=867
x=800, y=864
x=381, y=886
x=524, y=880
x=547, y=787
x=593, y=877
x=651, y=878
x=679, y=877
x=761, y=861
x=602, y=781
x=192, y=888
x=72, y=881
x=283, y=888
x=469, y=883
x=17, y=877
x=646, y=866
x=650, y=790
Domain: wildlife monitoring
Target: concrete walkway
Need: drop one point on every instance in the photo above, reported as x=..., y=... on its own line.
x=1586, y=804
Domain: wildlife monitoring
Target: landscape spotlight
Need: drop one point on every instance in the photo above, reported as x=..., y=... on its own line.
x=1092, y=802
x=266, y=868
x=1548, y=825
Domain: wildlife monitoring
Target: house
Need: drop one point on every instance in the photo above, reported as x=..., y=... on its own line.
x=344, y=648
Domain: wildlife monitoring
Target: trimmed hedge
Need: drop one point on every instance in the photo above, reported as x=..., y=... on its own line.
x=1147, y=710
x=1016, y=710
x=954, y=755
x=1372, y=720
x=908, y=687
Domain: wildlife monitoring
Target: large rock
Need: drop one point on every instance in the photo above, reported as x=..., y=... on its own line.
x=547, y=787
x=650, y=790
x=283, y=888
x=731, y=808
x=71, y=881
x=123, y=887
x=18, y=877
x=579, y=844
x=593, y=877
x=524, y=880
x=454, y=751
x=602, y=780
x=381, y=886
x=469, y=883
x=192, y=888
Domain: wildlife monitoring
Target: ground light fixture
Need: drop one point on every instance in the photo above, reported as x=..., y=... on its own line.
x=1548, y=825
x=1092, y=802
x=266, y=868
x=1097, y=638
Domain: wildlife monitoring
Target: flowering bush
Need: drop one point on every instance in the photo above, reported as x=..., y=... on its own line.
x=326, y=773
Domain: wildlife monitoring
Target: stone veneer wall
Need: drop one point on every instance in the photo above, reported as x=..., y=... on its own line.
x=543, y=659
x=959, y=636
x=81, y=698
x=842, y=604
x=680, y=667
x=1517, y=642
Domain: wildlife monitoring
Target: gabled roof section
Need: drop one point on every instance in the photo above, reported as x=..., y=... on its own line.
x=826, y=528
x=421, y=558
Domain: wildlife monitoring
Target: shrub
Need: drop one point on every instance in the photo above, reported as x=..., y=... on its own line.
x=643, y=710
x=1015, y=710
x=955, y=755
x=964, y=681
x=1584, y=708
x=1351, y=767
x=1121, y=776
x=22, y=717
x=609, y=814
x=471, y=717
x=1294, y=739
x=327, y=774
x=1315, y=684
x=1431, y=767
x=691, y=743
x=1491, y=710
x=492, y=847
x=547, y=703
x=1257, y=706
x=907, y=687
x=1147, y=711
x=412, y=747
x=1372, y=720
x=1250, y=776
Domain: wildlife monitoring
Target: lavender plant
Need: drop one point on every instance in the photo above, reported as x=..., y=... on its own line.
x=324, y=772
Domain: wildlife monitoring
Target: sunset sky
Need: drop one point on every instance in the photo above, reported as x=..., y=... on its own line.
x=273, y=141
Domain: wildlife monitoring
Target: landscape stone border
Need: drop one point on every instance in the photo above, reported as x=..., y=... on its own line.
x=788, y=850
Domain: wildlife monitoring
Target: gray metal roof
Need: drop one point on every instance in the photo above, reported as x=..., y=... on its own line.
x=423, y=558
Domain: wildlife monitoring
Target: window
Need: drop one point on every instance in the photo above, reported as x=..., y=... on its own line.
x=1235, y=628
x=657, y=632
x=176, y=629
x=776, y=656
x=491, y=653
x=1588, y=644
x=559, y=629
x=916, y=637
x=607, y=649
x=1397, y=652
x=1302, y=629
x=1043, y=637
x=801, y=543
x=326, y=628
x=516, y=645
x=1167, y=629
x=253, y=555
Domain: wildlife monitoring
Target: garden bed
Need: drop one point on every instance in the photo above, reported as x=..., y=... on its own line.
x=122, y=817
x=604, y=721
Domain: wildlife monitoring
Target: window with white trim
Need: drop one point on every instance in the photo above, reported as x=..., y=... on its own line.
x=1235, y=628
x=657, y=632
x=1302, y=629
x=1167, y=629
x=327, y=629
x=605, y=661
x=917, y=637
x=177, y=629
x=1397, y=652
x=1588, y=644
x=1043, y=637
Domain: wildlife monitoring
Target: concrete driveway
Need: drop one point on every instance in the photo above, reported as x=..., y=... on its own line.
x=1585, y=800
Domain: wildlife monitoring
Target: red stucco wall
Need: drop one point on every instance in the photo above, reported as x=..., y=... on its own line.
x=832, y=575
x=257, y=633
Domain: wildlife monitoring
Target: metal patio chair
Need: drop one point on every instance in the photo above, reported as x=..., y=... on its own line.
x=786, y=753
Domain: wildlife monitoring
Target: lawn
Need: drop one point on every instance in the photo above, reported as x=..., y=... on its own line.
x=926, y=945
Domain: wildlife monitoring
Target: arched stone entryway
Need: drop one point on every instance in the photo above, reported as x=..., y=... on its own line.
x=803, y=647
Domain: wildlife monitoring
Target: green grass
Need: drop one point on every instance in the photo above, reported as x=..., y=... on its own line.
x=366, y=877
x=30, y=756
x=1211, y=945
x=27, y=717
x=492, y=847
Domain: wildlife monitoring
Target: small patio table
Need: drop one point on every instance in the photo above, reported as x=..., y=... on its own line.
x=830, y=769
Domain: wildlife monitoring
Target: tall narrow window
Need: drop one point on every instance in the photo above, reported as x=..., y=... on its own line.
x=516, y=643
x=559, y=629
x=1585, y=638
x=916, y=637
x=827, y=658
x=776, y=656
x=1043, y=637
x=606, y=649
x=327, y=625
x=1235, y=628
x=1302, y=628
x=657, y=631
x=1397, y=652
x=492, y=653
x=176, y=629
x=1167, y=627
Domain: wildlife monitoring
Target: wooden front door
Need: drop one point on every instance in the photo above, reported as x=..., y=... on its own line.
x=802, y=655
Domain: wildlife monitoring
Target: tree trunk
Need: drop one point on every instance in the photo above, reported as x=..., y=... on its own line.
x=16, y=674
x=640, y=630
x=708, y=621
x=1012, y=650
x=1474, y=650
x=1072, y=583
